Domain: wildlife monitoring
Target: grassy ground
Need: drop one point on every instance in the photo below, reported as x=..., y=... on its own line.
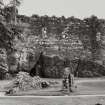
x=84, y=87
x=52, y=101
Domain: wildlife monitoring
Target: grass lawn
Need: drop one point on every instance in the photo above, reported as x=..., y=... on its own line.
x=52, y=101
x=85, y=86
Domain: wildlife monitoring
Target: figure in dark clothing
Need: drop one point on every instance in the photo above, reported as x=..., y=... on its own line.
x=68, y=80
x=71, y=81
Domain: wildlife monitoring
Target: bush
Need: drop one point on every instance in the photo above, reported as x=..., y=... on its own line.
x=53, y=66
x=24, y=81
x=86, y=74
x=3, y=63
x=54, y=72
x=90, y=69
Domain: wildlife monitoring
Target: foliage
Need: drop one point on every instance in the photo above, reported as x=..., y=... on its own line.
x=72, y=37
x=15, y=2
x=50, y=67
x=8, y=13
x=93, y=27
x=23, y=82
x=3, y=63
x=6, y=37
x=90, y=69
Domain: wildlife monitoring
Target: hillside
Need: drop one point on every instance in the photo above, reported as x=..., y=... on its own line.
x=67, y=38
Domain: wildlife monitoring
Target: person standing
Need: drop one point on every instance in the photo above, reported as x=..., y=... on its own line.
x=71, y=81
x=68, y=80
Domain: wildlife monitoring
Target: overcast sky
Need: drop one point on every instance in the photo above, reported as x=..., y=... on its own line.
x=77, y=8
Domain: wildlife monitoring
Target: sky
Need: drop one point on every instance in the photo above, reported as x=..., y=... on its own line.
x=77, y=8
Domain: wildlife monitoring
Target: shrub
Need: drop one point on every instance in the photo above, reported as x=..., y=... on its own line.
x=24, y=81
x=90, y=69
x=3, y=63
x=86, y=74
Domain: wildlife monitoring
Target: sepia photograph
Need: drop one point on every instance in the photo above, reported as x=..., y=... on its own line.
x=52, y=52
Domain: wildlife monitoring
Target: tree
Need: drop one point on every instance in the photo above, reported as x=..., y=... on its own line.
x=8, y=13
x=5, y=37
x=1, y=3
x=93, y=26
x=6, y=46
x=74, y=35
x=15, y=4
x=3, y=63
